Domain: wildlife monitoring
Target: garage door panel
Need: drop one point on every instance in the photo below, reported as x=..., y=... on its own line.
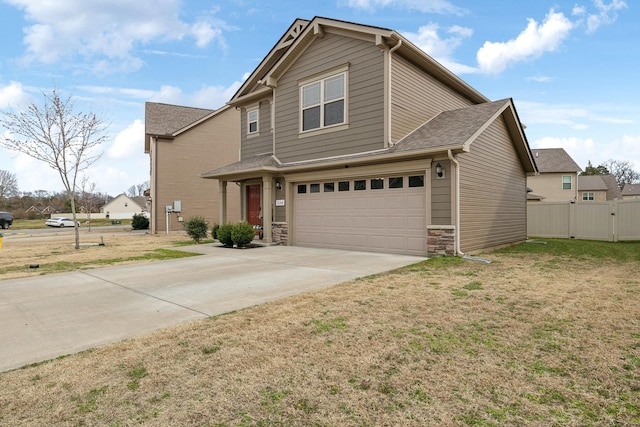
x=382, y=220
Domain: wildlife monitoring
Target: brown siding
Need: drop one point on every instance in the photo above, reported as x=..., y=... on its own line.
x=365, y=98
x=441, y=194
x=209, y=145
x=257, y=144
x=417, y=97
x=492, y=192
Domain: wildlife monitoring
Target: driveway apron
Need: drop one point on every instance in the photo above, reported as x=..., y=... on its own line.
x=48, y=316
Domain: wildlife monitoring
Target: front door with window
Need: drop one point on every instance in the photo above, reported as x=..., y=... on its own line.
x=254, y=212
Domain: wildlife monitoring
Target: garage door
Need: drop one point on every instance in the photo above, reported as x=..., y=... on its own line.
x=369, y=214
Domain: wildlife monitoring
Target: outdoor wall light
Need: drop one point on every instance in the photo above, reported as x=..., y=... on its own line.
x=439, y=170
x=278, y=186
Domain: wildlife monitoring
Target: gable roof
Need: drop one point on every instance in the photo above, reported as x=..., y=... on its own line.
x=302, y=33
x=457, y=129
x=549, y=160
x=166, y=119
x=631, y=190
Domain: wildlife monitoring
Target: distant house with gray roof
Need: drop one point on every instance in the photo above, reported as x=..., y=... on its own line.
x=557, y=178
x=631, y=192
x=598, y=188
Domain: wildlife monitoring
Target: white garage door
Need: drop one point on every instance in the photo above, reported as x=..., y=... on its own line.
x=372, y=214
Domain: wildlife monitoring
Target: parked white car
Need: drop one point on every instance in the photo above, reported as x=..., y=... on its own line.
x=60, y=222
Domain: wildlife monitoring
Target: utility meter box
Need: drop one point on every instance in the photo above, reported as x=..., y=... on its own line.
x=177, y=205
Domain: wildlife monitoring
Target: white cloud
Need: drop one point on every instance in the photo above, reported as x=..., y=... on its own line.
x=607, y=14
x=432, y=6
x=128, y=141
x=13, y=95
x=541, y=79
x=441, y=49
x=107, y=33
x=536, y=39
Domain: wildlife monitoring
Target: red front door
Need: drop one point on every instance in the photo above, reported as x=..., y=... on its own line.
x=254, y=214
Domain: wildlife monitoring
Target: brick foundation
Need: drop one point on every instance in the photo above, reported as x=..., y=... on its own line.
x=441, y=240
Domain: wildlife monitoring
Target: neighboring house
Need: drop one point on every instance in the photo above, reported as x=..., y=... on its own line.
x=353, y=138
x=631, y=192
x=124, y=207
x=557, y=180
x=598, y=188
x=183, y=142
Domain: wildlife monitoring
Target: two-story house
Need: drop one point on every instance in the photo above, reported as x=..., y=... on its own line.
x=354, y=138
x=557, y=180
x=181, y=143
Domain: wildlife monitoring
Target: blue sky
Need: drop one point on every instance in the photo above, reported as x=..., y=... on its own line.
x=570, y=66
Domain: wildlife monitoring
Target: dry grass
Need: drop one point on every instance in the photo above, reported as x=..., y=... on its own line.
x=527, y=340
x=56, y=253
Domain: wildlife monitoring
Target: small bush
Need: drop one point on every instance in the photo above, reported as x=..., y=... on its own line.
x=224, y=234
x=242, y=234
x=196, y=228
x=139, y=222
x=214, y=231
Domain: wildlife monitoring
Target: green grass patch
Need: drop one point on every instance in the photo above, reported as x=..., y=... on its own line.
x=578, y=249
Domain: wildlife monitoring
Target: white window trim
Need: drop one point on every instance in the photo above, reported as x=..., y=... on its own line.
x=570, y=182
x=343, y=69
x=586, y=194
x=253, y=109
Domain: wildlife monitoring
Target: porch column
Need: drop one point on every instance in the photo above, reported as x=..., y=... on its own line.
x=267, y=208
x=223, y=201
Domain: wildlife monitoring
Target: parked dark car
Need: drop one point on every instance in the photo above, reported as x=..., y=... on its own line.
x=6, y=219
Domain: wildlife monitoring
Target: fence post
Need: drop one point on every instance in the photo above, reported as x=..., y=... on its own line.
x=614, y=221
x=572, y=220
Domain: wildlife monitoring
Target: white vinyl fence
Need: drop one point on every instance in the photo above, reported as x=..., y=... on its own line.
x=610, y=221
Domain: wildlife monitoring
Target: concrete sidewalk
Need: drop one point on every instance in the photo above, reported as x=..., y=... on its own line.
x=48, y=316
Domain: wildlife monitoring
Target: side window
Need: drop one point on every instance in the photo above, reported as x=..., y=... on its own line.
x=323, y=102
x=566, y=182
x=252, y=121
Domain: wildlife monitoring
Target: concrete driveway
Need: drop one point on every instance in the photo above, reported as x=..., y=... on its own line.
x=49, y=316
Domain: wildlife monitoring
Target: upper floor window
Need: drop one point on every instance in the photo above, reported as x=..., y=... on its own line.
x=323, y=102
x=566, y=182
x=252, y=121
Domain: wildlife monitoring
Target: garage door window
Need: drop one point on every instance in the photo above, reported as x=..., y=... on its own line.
x=328, y=187
x=377, y=183
x=314, y=188
x=343, y=186
x=302, y=188
x=360, y=184
x=396, y=182
x=416, y=181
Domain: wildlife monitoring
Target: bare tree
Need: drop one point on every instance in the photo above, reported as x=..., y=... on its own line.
x=8, y=184
x=623, y=171
x=138, y=189
x=56, y=134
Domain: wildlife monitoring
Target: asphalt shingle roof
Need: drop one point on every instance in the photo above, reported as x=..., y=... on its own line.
x=554, y=160
x=631, y=190
x=166, y=119
x=450, y=128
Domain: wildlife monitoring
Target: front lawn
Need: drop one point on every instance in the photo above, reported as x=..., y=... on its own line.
x=545, y=335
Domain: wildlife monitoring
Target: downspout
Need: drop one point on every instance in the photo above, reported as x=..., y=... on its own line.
x=457, y=219
x=393, y=49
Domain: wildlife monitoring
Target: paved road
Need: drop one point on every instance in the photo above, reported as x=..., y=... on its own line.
x=48, y=316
